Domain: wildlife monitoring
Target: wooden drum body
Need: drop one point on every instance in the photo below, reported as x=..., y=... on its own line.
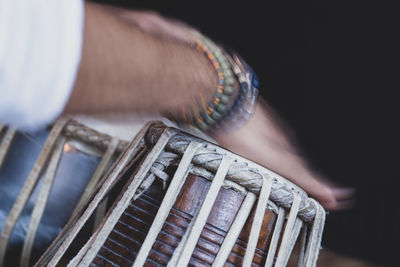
x=125, y=240
x=178, y=200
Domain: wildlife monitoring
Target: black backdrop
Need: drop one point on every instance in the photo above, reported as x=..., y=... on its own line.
x=329, y=68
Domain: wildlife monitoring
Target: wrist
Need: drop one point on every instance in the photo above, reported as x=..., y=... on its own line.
x=231, y=103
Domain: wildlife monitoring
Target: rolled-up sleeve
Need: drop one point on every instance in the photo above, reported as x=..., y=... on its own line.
x=40, y=51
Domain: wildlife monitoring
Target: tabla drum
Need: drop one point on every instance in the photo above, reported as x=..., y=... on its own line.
x=174, y=199
x=46, y=177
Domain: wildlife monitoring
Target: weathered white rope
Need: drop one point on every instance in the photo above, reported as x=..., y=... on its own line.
x=76, y=224
x=157, y=171
x=247, y=174
x=28, y=187
x=275, y=237
x=314, y=239
x=6, y=142
x=234, y=230
x=85, y=256
x=257, y=221
x=302, y=248
x=99, y=214
x=168, y=202
x=184, y=251
x=210, y=176
x=76, y=260
x=287, y=234
x=103, y=165
x=41, y=202
x=78, y=131
x=293, y=239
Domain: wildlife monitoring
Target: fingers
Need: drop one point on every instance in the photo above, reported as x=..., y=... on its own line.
x=343, y=193
x=344, y=199
x=262, y=141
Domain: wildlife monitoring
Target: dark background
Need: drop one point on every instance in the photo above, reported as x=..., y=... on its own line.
x=330, y=69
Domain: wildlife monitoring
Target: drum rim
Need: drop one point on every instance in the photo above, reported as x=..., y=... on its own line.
x=308, y=207
x=156, y=127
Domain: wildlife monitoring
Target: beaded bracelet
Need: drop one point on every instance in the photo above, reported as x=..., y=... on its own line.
x=244, y=104
x=228, y=106
x=206, y=113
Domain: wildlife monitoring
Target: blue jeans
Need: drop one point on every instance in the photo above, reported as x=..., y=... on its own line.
x=73, y=173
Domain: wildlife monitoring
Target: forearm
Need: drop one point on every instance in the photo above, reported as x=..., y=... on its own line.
x=126, y=69
x=145, y=68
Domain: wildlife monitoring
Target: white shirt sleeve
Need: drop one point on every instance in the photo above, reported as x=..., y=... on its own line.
x=40, y=51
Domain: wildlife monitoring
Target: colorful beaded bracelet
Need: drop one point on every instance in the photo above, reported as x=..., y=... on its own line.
x=229, y=105
x=206, y=114
x=244, y=104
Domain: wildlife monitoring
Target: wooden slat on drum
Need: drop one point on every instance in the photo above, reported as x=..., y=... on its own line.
x=124, y=242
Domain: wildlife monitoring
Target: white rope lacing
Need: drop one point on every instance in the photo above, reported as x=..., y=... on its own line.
x=28, y=187
x=6, y=141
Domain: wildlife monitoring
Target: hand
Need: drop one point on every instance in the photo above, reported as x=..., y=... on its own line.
x=265, y=140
